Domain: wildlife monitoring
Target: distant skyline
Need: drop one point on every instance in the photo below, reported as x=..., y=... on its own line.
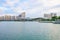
x=33, y=8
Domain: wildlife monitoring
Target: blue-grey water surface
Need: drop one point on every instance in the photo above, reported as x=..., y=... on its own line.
x=29, y=31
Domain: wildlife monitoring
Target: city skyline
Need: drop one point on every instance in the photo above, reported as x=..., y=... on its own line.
x=33, y=8
x=11, y=18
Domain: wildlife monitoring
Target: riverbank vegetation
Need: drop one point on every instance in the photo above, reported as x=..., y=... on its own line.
x=54, y=18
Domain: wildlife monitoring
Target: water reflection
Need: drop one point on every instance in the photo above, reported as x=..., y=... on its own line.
x=29, y=31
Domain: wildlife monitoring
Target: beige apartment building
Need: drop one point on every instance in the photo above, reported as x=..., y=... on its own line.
x=7, y=17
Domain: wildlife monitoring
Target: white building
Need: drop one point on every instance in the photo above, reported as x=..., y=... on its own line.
x=12, y=17
x=49, y=16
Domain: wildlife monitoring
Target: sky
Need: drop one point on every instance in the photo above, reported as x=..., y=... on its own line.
x=33, y=8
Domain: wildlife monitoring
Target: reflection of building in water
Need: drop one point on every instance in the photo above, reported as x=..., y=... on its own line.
x=49, y=16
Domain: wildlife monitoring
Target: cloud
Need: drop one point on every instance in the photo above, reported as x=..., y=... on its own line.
x=33, y=8
x=49, y=3
x=11, y=2
x=53, y=10
x=2, y=9
x=17, y=10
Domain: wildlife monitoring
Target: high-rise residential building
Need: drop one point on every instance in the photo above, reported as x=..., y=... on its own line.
x=12, y=17
x=53, y=14
x=23, y=15
x=7, y=17
x=16, y=17
x=49, y=16
x=1, y=17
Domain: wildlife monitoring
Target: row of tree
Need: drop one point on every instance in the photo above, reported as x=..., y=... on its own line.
x=55, y=18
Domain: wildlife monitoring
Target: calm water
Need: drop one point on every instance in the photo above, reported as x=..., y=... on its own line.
x=29, y=31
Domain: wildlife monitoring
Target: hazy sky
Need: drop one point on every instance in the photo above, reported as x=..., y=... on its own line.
x=33, y=8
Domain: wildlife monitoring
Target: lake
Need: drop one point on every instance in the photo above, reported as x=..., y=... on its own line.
x=10, y=30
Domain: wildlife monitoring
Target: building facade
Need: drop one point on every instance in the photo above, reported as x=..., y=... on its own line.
x=49, y=16
x=1, y=17
x=7, y=17
x=23, y=15
x=12, y=17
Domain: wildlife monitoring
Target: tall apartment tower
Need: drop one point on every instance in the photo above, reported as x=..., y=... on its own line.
x=7, y=17
x=22, y=15
x=53, y=14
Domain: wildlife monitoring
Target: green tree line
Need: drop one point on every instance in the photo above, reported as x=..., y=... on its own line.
x=55, y=18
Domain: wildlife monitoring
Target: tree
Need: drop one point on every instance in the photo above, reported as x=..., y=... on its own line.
x=54, y=18
x=59, y=17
